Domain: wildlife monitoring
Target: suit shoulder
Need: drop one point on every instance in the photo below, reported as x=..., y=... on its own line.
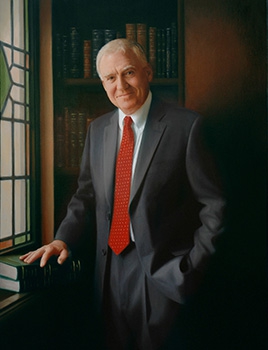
x=102, y=120
x=175, y=114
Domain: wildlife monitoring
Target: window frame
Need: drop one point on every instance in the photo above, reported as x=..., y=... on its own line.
x=34, y=133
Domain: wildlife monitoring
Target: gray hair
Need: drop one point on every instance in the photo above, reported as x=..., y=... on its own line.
x=121, y=45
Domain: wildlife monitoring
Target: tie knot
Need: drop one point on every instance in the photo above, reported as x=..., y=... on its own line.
x=128, y=121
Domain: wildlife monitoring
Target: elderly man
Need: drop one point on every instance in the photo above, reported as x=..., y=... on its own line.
x=156, y=199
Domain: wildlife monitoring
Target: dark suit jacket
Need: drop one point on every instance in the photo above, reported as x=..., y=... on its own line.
x=176, y=205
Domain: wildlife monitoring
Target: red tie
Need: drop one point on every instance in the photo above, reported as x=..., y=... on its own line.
x=119, y=234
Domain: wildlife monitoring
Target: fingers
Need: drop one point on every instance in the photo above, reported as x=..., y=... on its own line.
x=48, y=252
x=63, y=256
x=30, y=257
x=24, y=257
x=56, y=247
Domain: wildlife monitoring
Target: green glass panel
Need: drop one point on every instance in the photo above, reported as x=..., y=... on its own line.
x=20, y=240
x=5, y=80
x=27, y=114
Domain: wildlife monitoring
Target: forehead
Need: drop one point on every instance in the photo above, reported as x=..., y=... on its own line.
x=118, y=61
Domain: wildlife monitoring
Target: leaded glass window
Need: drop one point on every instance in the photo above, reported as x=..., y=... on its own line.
x=15, y=125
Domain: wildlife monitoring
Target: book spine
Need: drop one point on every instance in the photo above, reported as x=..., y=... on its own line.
x=65, y=56
x=131, y=31
x=58, y=55
x=174, y=50
x=87, y=58
x=158, y=54
x=81, y=129
x=30, y=271
x=109, y=34
x=152, y=48
x=66, y=137
x=59, y=141
x=73, y=140
x=75, y=54
x=51, y=275
x=142, y=36
x=168, y=53
x=163, y=53
x=97, y=43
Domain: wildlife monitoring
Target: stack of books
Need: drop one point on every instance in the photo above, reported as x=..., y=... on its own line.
x=17, y=276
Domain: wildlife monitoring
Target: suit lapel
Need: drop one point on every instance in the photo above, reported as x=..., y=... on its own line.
x=110, y=151
x=152, y=134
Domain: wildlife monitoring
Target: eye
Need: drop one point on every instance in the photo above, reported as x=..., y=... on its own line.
x=110, y=78
x=129, y=73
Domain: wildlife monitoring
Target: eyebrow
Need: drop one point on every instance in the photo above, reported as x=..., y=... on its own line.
x=128, y=67
x=123, y=70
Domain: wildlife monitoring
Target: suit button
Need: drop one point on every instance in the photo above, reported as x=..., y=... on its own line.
x=103, y=252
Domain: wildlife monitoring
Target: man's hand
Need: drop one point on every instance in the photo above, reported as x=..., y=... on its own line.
x=57, y=247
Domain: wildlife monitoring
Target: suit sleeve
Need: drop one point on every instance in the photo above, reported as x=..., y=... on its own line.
x=179, y=274
x=73, y=226
x=206, y=185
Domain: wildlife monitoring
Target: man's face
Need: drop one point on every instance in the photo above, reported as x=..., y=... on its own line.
x=125, y=80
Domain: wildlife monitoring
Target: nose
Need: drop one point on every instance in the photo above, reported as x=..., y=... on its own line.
x=121, y=83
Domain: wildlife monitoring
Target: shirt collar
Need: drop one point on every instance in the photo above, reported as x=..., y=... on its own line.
x=140, y=116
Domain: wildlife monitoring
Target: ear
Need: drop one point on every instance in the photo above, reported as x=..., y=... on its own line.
x=149, y=72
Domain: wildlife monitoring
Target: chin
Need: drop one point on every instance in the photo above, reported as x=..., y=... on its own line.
x=128, y=109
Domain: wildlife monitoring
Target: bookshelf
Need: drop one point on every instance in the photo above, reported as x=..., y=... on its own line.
x=78, y=93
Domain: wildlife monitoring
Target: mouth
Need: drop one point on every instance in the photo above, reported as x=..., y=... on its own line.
x=123, y=95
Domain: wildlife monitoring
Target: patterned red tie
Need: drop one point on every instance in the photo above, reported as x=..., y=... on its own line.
x=119, y=234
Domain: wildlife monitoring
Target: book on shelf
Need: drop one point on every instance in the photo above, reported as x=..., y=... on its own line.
x=87, y=58
x=58, y=55
x=75, y=53
x=158, y=53
x=73, y=140
x=142, y=36
x=97, y=43
x=70, y=135
x=17, y=276
x=168, y=53
x=161, y=60
x=131, y=32
x=60, y=142
x=152, y=48
x=109, y=34
x=137, y=32
x=65, y=56
x=174, y=50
